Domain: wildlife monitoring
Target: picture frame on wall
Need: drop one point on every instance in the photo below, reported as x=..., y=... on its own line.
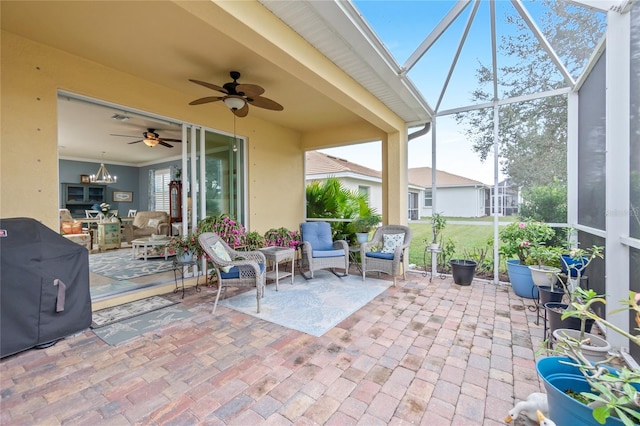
x=84, y=179
x=122, y=196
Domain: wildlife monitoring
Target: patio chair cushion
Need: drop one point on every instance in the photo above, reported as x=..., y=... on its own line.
x=379, y=255
x=318, y=234
x=391, y=242
x=327, y=253
x=234, y=272
x=219, y=251
x=153, y=223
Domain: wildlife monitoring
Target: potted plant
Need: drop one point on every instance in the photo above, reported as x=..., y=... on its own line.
x=254, y=240
x=438, y=223
x=227, y=228
x=518, y=239
x=281, y=237
x=463, y=270
x=544, y=262
x=611, y=396
x=185, y=247
x=556, y=310
x=363, y=225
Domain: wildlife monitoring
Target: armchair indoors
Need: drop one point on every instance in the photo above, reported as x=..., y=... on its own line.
x=391, y=242
x=146, y=223
x=319, y=251
x=234, y=268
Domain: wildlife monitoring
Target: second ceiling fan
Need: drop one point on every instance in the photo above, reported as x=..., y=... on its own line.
x=151, y=139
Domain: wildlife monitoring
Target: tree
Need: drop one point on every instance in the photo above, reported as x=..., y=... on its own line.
x=533, y=134
x=329, y=199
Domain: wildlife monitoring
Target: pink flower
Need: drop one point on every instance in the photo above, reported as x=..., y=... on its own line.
x=522, y=225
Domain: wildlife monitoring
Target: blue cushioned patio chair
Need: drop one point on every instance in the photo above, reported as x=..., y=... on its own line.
x=234, y=268
x=386, y=259
x=319, y=251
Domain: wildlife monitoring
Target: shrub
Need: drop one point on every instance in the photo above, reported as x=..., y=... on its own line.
x=282, y=237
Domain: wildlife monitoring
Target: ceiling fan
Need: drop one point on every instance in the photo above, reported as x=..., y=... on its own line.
x=151, y=139
x=237, y=96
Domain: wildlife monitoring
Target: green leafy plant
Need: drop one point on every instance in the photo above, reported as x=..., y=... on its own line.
x=438, y=223
x=364, y=224
x=254, y=240
x=518, y=238
x=544, y=255
x=613, y=392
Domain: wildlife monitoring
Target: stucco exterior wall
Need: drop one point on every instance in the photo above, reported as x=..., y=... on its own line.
x=33, y=73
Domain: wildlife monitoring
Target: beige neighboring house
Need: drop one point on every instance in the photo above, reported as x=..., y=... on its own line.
x=457, y=196
x=320, y=166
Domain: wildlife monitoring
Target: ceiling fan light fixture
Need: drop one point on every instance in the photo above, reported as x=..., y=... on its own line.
x=234, y=102
x=151, y=142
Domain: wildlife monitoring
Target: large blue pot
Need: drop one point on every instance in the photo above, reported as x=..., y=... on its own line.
x=521, y=281
x=563, y=409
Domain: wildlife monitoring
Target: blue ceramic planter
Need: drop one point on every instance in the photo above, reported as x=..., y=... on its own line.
x=575, y=265
x=521, y=281
x=563, y=409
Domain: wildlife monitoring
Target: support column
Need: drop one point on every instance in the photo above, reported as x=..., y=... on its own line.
x=617, y=168
x=395, y=208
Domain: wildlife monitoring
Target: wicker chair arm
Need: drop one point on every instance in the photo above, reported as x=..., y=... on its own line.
x=341, y=245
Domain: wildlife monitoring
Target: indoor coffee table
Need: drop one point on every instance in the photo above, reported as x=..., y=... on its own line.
x=149, y=247
x=277, y=255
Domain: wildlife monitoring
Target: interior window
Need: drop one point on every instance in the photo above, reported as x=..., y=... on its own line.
x=160, y=195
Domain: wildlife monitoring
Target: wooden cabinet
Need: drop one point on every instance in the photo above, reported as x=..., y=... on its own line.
x=78, y=198
x=175, y=201
x=108, y=235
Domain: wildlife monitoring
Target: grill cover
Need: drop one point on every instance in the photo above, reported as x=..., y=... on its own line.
x=44, y=286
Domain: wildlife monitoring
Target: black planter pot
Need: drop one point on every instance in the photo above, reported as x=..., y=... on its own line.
x=556, y=321
x=546, y=295
x=463, y=271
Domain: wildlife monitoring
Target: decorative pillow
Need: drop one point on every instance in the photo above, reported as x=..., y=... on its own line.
x=391, y=242
x=218, y=250
x=153, y=223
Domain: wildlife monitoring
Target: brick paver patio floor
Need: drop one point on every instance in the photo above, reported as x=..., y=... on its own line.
x=420, y=353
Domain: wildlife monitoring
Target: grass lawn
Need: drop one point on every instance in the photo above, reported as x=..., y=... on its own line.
x=466, y=233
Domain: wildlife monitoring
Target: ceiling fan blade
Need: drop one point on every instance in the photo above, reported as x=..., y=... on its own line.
x=210, y=86
x=250, y=89
x=124, y=136
x=205, y=100
x=171, y=140
x=130, y=143
x=163, y=143
x=242, y=112
x=265, y=103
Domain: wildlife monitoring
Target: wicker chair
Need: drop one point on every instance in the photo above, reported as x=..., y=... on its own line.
x=319, y=251
x=243, y=269
x=378, y=261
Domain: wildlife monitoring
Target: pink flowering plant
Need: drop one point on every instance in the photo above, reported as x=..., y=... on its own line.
x=227, y=228
x=520, y=238
x=282, y=237
x=184, y=244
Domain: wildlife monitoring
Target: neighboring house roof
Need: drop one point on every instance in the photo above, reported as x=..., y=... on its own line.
x=443, y=179
x=320, y=165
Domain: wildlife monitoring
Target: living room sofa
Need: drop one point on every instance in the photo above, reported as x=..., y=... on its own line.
x=147, y=223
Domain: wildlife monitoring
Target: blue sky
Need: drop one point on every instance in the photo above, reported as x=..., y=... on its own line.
x=402, y=26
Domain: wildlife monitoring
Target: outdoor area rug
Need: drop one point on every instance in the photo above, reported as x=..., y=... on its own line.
x=131, y=328
x=119, y=265
x=114, y=314
x=314, y=306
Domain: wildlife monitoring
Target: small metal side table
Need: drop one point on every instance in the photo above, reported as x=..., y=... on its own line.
x=434, y=268
x=353, y=257
x=276, y=255
x=180, y=266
